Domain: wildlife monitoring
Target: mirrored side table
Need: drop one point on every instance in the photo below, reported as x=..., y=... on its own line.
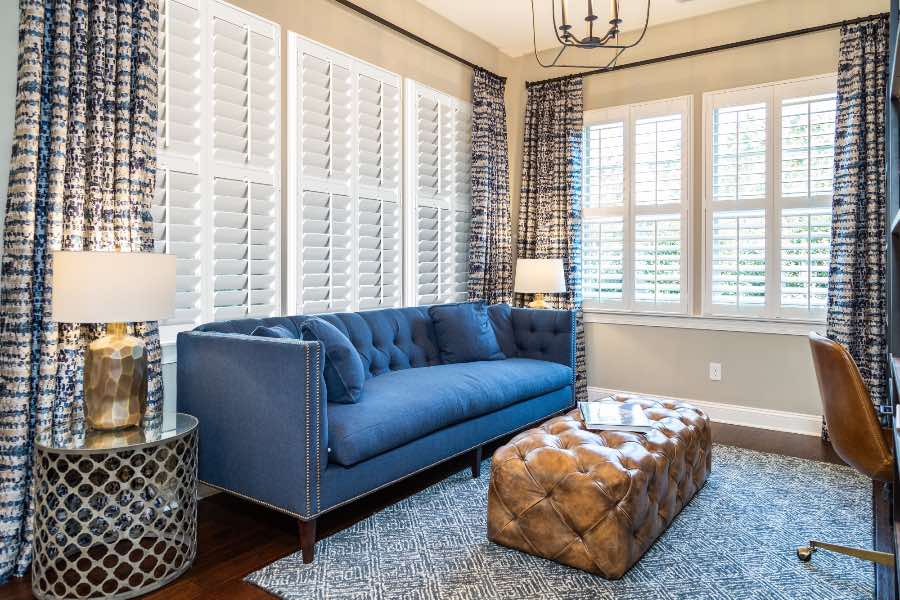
x=116, y=516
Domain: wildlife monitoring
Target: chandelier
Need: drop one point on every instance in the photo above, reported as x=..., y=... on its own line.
x=596, y=35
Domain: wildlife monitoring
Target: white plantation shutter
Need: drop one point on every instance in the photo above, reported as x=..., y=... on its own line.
x=636, y=165
x=738, y=262
x=770, y=151
x=177, y=229
x=439, y=171
x=660, y=154
x=345, y=250
x=217, y=200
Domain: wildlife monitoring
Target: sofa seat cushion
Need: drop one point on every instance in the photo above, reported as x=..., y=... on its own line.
x=399, y=407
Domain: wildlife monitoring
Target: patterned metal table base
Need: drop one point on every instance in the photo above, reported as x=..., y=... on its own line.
x=114, y=523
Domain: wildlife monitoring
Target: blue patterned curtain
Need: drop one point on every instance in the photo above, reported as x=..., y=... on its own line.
x=490, y=246
x=81, y=178
x=856, y=292
x=550, y=206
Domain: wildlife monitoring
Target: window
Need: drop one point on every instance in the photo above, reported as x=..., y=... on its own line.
x=767, y=193
x=440, y=205
x=636, y=203
x=216, y=206
x=345, y=229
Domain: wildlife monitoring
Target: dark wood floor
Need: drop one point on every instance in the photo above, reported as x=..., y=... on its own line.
x=238, y=537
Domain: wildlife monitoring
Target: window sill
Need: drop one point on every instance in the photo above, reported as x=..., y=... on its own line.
x=744, y=325
x=169, y=353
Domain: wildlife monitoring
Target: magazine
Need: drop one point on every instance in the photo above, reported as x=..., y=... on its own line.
x=609, y=415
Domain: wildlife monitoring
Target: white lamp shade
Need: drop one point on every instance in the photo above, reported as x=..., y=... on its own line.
x=540, y=275
x=112, y=287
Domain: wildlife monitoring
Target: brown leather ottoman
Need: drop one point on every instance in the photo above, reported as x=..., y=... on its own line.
x=597, y=500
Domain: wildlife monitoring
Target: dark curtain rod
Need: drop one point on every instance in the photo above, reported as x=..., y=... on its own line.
x=689, y=53
x=411, y=35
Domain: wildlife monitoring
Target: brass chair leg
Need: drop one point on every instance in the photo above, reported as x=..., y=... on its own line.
x=805, y=553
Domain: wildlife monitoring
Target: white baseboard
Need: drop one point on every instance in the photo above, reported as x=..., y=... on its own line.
x=733, y=414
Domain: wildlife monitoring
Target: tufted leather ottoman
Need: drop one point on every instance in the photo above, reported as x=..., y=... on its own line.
x=597, y=500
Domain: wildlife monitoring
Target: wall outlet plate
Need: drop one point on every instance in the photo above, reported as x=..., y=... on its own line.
x=715, y=371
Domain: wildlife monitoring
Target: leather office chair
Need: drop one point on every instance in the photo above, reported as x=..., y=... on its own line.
x=854, y=429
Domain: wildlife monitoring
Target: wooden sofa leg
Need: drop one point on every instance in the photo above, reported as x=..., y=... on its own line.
x=476, y=463
x=307, y=539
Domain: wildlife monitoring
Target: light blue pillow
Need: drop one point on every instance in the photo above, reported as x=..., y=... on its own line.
x=344, y=372
x=464, y=332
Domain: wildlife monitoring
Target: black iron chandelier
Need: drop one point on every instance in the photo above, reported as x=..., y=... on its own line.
x=596, y=34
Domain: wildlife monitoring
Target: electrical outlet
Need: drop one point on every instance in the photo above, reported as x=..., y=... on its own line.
x=715, y=371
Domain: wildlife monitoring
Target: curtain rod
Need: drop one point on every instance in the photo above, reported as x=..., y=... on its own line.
x=411, y=35
x=729, y=46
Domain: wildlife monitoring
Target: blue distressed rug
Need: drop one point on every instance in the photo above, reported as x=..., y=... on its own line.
x=735, y=540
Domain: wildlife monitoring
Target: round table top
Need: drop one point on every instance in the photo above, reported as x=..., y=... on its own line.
x=169, y=427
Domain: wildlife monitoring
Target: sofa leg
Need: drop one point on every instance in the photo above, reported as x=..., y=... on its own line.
x=307, y=539
x=476, y=463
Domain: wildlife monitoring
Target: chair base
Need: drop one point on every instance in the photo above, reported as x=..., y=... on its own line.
x=804, y=553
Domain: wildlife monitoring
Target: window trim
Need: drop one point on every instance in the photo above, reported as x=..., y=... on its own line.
x=629, y=114
x=773, y=93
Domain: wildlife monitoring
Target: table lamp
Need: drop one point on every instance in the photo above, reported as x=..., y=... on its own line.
x=540, y=276
x=114, y=288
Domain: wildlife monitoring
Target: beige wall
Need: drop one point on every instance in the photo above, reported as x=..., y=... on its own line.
x=759, y=370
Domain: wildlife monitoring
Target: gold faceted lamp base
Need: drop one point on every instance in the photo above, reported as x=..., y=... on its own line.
x=115, y=380
x=538, y=301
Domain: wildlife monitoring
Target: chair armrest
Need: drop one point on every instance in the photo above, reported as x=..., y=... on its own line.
x=545, y=334
x=262, y=410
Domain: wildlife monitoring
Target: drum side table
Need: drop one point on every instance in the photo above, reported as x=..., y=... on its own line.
x=115, y=516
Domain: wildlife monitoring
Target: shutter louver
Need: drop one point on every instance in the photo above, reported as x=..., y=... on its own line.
x=739, y=152
x=379, y=253
x=326, y=249
x=807, y=146
x=657, y=160
x=738, y=258
x=427, y=147
x=180, y=93
x=805, y=258
x=605, y=165
x=657, y=259
x=263, y=231
x=603, y=259
x=428, y=254
x=263, y=102
x=231, y=251
x=231, y=98
x=177, y=218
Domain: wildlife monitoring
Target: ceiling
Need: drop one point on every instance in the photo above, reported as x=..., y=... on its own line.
x=506, y=24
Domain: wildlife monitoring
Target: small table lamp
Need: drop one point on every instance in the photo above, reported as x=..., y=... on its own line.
x=115, y=288
x=540, y=276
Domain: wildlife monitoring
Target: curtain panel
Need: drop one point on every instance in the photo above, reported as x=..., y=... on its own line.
x=550, y=222
x=490, y=246
x=856, y=291
x=82, y=176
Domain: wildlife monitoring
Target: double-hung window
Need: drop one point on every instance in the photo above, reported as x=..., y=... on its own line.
x=217, y=200
x=769, y=154
x=636, y=199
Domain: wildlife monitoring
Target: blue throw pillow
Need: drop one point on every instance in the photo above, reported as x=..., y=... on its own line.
x=344, y=372
x=464, y=333
x=273, y=331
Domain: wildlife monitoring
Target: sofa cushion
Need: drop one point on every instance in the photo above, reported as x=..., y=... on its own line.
x=405, y=405
x=344, y=374
x=464, y=332
x=274, y=331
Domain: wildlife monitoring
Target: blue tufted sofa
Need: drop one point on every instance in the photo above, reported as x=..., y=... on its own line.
x=268, y=433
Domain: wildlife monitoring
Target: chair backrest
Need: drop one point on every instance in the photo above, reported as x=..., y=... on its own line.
x=853, y=425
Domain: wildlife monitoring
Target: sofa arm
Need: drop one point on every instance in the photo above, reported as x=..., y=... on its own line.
x=545, y=334
x=261, y=406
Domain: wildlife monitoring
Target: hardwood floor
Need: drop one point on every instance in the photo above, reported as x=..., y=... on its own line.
x=238, y=537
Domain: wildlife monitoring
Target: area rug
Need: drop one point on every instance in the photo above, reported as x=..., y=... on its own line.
x=735, y=540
